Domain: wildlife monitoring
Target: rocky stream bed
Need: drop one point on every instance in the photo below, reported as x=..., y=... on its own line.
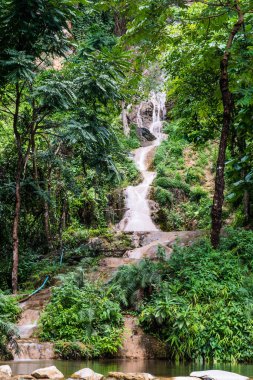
x=53, y=373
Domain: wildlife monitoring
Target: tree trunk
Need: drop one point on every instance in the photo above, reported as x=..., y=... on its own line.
x=120, y=24
x=47, y=211
x=218, y=198
x=126, y=128
x=16, y=230
x=246, y=206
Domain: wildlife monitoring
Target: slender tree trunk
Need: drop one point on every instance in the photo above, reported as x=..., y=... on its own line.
x=218, y=198
x=47, y=211
x=15, y=230
x=120, y=24
x=126, y=128
x=246, y=206
x=47, y=224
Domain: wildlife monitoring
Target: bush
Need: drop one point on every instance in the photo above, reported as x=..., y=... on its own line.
x=163, y=197
x=197, y=193
x=133, y=283
x=171, y=220
x=194, y=175
x=203, y=311
x=9, y=312
x=163, y=182
x=83, y=312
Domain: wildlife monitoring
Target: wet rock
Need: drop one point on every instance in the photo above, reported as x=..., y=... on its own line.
x=86, y=374
x=146, y=112
x=110, y=246
x=5, y=377
x=35, y=350
x=5, y=370
x=184, y=378
x=116, y=206
x=23, y=377
x=145, y=134
x=129, y=376
x=218, y=375
x=48, y=373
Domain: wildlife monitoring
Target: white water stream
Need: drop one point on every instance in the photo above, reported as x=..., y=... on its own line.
x=138, y=216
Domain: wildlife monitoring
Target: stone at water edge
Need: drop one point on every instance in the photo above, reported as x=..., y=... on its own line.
x=129, y=376
x=5, y=370
x=218, y=375
x=184, y=378
x=86, y=374
x=48, y=373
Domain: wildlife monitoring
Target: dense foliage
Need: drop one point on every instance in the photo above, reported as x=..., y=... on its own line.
x=199, y=302
x=184, y=182
x=66, y=152
x=72, y=74
x=9, y=312
x=83, y=318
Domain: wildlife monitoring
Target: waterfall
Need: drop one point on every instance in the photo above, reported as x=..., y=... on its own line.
x=138, y=215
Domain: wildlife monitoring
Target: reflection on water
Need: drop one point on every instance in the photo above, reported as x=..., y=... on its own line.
x=155, y=367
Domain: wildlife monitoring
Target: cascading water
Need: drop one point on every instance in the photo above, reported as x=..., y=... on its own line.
x=138, y=215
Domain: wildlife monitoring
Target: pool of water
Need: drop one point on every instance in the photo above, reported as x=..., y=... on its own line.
x=155, y=367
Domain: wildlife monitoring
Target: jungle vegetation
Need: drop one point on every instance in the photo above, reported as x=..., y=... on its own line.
x=67, y=70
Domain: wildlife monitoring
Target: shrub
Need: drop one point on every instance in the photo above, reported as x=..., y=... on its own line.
x=163, y=197
x=198, y=193
x=83, y=312
x=203, y=311
x=193, y=175
x=133, y=283
x=163, y=182
x=73, y=350
x=9, y=312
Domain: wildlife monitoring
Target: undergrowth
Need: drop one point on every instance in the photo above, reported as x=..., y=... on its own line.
x=185, y=203
x=83, y=318
x=199, y=302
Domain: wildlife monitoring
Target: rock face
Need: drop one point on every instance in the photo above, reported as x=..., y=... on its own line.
x=35, y=350
x=116, y=206
x=86, y=374
x=137, y=344
x=5, y=370
x=110, y=246
x=129, y=376
x=218, y=375
x=48, y=373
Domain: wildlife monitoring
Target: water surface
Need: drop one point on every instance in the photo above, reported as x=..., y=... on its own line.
x=155, y=367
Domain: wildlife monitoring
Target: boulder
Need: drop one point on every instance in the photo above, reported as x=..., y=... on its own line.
x=48, y=373
x=218, y=375
x=185, y=378
x=86, y=374
x=3, y=376
x=145, y=134
x=129, y=376
x=5, y=370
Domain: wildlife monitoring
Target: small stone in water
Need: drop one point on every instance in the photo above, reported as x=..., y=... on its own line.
x=48, y=373
x=86, y=374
